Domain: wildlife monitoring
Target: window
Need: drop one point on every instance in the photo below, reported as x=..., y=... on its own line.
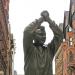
x=70, y=41
x=70, y=56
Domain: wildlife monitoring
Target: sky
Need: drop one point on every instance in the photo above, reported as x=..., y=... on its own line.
x=23, y=12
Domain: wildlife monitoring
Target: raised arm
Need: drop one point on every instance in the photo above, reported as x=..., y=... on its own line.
x=57, y=39
x=58, y=34
x=28, y=35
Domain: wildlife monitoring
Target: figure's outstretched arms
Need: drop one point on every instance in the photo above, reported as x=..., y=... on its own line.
x=28, y=35
x=58, y=34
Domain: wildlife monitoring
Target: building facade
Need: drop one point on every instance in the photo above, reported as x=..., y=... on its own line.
x=6, y=43
x=65, y=56
x=69, y=55
x=59, y=62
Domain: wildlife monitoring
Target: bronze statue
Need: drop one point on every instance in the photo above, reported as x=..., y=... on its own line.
x=37, y=57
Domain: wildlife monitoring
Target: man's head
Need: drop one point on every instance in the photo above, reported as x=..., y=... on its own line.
x=40, y=35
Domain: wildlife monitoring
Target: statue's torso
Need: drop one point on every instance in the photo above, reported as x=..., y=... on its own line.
x=38, y=61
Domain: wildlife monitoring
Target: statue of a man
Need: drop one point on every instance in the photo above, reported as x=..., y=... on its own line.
x=38, y=57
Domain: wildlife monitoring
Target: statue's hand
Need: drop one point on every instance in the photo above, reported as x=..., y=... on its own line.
x=45, y=15
x=37, y=23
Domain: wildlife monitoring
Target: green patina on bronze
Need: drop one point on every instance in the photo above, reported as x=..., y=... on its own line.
x=38, y=57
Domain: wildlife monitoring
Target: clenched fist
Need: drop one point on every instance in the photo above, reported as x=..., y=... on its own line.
x=45, y=15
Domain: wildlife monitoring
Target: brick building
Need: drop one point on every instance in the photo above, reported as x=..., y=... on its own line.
x=6, y=43
x=59, y=62
x=69, y=54
x=65, y=56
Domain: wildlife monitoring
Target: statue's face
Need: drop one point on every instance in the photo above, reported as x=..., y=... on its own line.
x=40, y=35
